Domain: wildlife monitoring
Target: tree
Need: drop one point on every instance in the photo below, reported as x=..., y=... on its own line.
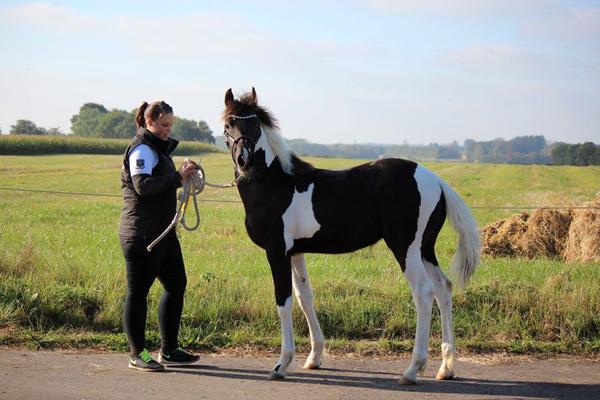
x=572, y=152
x=585, y=153
x=528, y=144
x=26, y=127
x=469, y=145
x=596, y=157
x=87, y=121
x=95, y=120
x=560, y=154
x=54, y=131
x=116, y=124
x=187, y=129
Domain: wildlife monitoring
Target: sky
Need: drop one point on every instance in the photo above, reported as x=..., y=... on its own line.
x=355, y=71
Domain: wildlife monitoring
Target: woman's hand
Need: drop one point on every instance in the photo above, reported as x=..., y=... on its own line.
x=187, y=168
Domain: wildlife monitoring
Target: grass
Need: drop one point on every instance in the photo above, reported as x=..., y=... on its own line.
x=62, y=276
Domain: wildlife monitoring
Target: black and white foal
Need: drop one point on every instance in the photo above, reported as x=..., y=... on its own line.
x=293, y=208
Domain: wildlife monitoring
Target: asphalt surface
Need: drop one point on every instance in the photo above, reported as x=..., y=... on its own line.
x=67, y=375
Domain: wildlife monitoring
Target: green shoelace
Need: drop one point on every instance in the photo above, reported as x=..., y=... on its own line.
x=145, y=356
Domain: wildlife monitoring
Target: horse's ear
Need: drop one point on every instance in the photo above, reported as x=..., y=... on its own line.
x=228, y=96
x=254, y=99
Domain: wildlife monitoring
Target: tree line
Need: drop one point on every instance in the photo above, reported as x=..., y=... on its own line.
x=432, y=151
x=519, y=150
x=94, y=120
x=531, y=149
x=576, y=154
x=26, y=127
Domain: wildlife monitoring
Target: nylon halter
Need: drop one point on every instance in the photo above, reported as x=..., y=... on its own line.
x=242, y=138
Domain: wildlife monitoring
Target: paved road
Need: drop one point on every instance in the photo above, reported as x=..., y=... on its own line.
x=63, y=375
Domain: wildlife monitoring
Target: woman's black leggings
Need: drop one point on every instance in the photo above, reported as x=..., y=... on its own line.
x=165, y=262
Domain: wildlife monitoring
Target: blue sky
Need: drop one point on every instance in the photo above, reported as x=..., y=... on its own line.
x=357, y=71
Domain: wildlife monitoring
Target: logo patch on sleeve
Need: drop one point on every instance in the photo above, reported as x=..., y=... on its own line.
x=139, y=163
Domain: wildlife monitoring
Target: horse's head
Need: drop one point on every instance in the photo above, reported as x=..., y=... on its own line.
x=243, y=121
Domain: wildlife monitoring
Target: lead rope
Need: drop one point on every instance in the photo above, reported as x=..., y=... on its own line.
x=193, y=185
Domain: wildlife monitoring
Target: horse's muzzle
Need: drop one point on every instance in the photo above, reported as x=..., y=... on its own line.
x=242, y=153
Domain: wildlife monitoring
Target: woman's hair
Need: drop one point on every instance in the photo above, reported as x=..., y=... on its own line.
x=152, y=111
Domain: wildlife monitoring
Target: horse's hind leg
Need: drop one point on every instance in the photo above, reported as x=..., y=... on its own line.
x=443, y=297
x=304, y=294
x=443, y=287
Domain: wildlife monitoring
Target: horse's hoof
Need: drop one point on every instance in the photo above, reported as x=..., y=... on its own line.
x=312, y=366
x=407, y=382
x=445, y=376
x=276, y=376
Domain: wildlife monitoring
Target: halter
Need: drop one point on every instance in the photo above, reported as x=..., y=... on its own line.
x=242, y=137
x=243, y=117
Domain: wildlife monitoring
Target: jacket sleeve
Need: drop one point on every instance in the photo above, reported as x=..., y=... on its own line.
x=147, y=185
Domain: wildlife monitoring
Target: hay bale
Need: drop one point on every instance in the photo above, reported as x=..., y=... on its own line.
x=583, y=241
x=571, y=235
x=502, y=238
x=546, y=234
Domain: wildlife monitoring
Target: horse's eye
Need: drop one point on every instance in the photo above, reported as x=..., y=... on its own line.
x=227, y=126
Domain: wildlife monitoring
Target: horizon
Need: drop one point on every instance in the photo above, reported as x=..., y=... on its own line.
x=367, y=71
x=461, y=144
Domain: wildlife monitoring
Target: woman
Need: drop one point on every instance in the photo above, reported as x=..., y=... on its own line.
x=149, y=181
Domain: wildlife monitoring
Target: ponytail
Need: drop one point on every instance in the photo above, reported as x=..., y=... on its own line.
x=152, y=111
x=140, y=120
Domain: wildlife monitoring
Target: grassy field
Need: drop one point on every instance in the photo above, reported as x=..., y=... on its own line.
x=62, y=276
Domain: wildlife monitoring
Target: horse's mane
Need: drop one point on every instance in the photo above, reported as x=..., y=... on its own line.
x=246, y=105
x=279, y=148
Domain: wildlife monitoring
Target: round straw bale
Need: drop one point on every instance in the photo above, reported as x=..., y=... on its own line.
x=502, y=238
x=583, y=241
x=546, y=233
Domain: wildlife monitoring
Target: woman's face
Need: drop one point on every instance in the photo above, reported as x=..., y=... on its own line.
x=161, y=128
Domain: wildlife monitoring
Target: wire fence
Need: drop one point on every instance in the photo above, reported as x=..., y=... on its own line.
x=39, y=191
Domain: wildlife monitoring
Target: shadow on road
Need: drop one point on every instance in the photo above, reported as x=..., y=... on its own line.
x=371, y=380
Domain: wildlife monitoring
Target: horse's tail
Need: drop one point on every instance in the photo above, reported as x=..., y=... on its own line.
x=466, y=257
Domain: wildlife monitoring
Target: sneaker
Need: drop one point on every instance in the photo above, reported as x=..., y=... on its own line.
x=177, y=356
x=145, y=363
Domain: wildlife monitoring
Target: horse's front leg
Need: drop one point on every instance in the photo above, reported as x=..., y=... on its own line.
x=281, y=268
x=304, y=294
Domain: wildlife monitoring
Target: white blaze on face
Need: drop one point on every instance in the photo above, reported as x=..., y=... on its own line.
x=299, y=219
x=263, y=143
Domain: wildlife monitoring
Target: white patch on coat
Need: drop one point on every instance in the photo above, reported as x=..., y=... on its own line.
x=299, y=219
x=263, y=144
x=430, y=191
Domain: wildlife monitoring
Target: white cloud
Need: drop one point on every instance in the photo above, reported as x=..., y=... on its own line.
x=466, y=8
x=576, y=25
x=510, y=62
x=50, y=16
